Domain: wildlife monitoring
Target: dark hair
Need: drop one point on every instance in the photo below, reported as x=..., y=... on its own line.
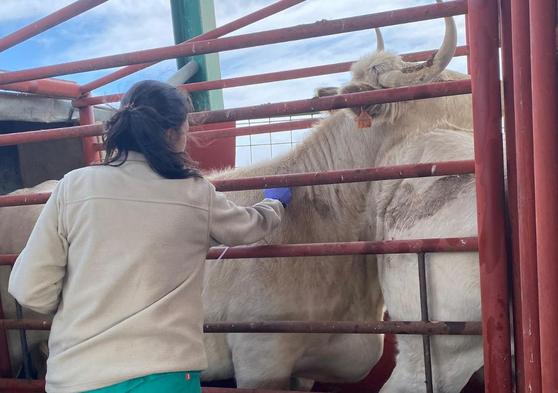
x=147, y=111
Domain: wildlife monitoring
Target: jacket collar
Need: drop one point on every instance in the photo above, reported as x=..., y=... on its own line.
x=135, y=156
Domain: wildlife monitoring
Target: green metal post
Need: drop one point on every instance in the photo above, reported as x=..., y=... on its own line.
x=191, y=18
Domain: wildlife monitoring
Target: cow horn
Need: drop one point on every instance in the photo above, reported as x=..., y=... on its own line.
x=424, y=72
x=379, y=40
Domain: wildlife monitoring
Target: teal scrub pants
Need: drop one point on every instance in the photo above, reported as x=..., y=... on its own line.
x=175, y=382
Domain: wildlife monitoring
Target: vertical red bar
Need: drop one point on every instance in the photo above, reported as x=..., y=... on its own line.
x=90, y=154
x=531, y=362
x=545, y=144
x=508, y=83
x=467, y=40
x=489, y=171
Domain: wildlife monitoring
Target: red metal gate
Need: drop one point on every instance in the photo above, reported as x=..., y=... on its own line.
x=532, y=162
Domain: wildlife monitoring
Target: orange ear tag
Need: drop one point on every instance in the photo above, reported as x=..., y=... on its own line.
x=364, y=120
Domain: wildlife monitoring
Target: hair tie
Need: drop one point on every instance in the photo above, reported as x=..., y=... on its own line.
x=128, y=106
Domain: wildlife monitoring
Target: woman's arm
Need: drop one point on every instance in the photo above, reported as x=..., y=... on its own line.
x=37, y=276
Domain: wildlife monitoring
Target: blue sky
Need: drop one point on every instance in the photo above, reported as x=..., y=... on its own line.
x=126, y=25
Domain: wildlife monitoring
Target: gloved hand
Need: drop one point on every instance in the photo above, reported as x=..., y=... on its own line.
x=282, y=194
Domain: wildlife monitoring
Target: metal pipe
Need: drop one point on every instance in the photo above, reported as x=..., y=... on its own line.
x=483, y=23
x=545, y=145
x=18, y=138
x=47, y=87
x=512, y=230
x=330, y=249
x=413, y=246
x=316, y=29
x=216, y=33
x=304, y=179
x=87, y=118
x=47, y=22
x=264, y=78
x=527, y=349
x=346, y=248
x=253, y=130
x=335, y=102
x=339, y=327
x=281, y=108
x=7, y=259
x=423, y=294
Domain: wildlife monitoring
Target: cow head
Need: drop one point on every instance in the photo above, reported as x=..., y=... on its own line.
x=381, y=70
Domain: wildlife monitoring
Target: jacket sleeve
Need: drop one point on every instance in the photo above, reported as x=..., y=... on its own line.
x=233, y=225
x=37, y=276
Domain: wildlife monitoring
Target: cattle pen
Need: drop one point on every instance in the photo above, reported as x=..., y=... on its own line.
x=517, y=262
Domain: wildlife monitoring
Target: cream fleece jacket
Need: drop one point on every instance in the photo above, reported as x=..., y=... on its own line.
x=117, y=255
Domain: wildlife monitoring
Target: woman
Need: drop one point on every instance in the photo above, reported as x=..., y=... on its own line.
x=117, y=255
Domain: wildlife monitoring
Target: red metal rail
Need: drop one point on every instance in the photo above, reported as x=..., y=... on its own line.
x=483, y=23
x=545, y=144
x=304, y=179
x=468, y=328
x=512, y=229
x=265, y=78
x=47, y=87
x=218, y=32
x=528, y=347
x=47, y=22
x=335, y=102
x=458, y=244
x=87, y=118
x=282, y=108
x=50, y=134
x=244, y=41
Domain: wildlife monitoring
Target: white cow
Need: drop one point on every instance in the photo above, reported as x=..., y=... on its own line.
x=406, y=133
x=272, y=290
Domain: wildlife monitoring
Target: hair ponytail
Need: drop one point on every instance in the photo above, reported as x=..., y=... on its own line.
x=149, y=109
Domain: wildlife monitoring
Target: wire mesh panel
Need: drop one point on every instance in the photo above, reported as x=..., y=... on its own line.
x=252, y=149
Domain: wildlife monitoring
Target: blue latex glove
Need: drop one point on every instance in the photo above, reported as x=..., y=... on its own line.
x=283, y=194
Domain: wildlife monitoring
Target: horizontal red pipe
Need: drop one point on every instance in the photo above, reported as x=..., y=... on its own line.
x=348, y=175
x=253, y=130
x=264, y=78
x=346, y=248
x=216, y=33
x=316, y=29
x=268, y=110
x=304, y=179
x=335, y=102
x=339, y=327
x=47, y=87
x=327, y=249
x=50, y=134
x=47, y=22
x=347, y=327
x=26, y=199
x=7, y=259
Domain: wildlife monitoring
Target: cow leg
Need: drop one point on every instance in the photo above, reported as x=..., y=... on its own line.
x=264, y=361
x=454, y=360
